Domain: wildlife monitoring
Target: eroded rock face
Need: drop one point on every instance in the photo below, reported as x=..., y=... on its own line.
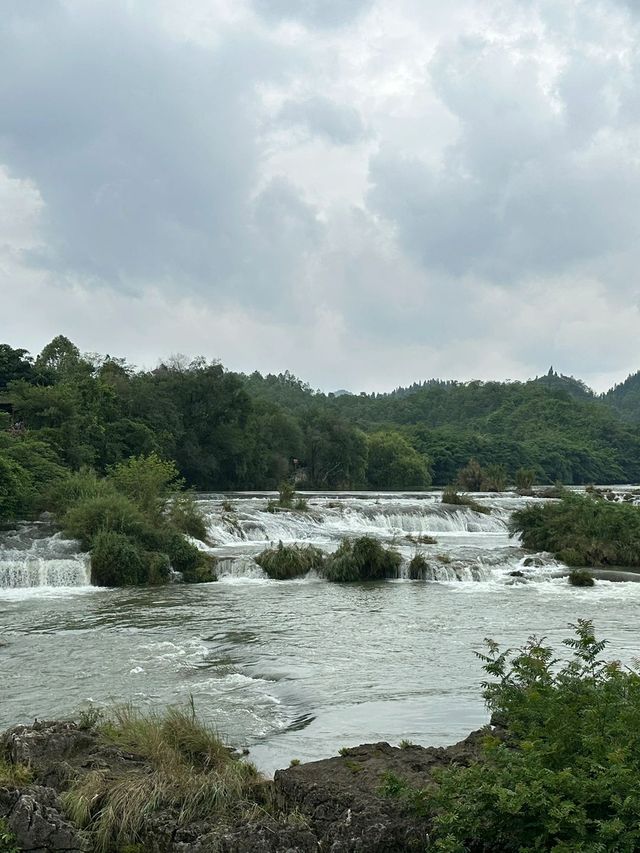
x=343, y=801
x=334, y=805
x=35, y=817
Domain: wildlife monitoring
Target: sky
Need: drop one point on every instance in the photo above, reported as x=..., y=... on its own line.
x=367, y=193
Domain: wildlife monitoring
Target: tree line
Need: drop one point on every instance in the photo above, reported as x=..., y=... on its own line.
x=64, y=410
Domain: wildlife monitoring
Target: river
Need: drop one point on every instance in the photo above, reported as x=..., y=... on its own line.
x=294, y=669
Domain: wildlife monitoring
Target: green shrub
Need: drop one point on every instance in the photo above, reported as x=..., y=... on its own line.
x=286, y=494
x=193, y=565
x=77, y=487
x=582, y=530
x=184, y=515
x=495, y=478
x=453, y=497
x=290, y=561
x=472, y=476
x=417, y=567
x=566, y=777
x=16, y=489
x=113, y=512
x=157, y=568
x=116, y=560
x=525, y=478
x=147, y=480
x=581, y=578
x=362, y=559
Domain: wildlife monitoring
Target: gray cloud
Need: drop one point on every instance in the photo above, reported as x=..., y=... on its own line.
x=537, y=181
x=471, y=210
x=339, y=123
x=144, y=148
x=313, y=13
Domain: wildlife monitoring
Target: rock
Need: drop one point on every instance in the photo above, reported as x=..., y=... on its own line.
x=343, y=801
x=334, y=806
x=34, y=816
x=516, y=574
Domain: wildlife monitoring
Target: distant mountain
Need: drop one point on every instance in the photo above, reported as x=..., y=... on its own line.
x=341, y=393
x=625, y=398
x=575, y=388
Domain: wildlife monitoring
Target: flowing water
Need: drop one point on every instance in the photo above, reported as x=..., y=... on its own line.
x=295, y=669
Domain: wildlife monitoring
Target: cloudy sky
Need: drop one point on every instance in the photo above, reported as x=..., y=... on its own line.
x=364, y=192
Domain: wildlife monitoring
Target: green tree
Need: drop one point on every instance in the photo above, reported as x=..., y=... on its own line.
x=394, y=464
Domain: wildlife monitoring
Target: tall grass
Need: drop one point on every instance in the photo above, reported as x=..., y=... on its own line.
x=362, y=559
x=178, y=764
x=290, y=561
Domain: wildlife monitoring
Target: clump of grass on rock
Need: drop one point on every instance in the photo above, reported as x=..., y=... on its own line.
x=578, y=577
x=181, y=767
x=418, y=567
x=290, y=561
x=363, y=559
x=455, y=498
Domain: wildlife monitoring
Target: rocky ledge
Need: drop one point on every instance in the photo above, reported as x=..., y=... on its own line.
x=331, y=805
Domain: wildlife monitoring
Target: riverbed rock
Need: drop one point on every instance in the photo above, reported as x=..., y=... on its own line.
x=342, y=797
x=35, y=818
x=334, y=805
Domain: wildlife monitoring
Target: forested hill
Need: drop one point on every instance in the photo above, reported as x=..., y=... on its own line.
x=625, y=398
x=61, y=410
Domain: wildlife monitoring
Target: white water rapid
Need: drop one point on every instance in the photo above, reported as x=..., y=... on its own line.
x=32, y=555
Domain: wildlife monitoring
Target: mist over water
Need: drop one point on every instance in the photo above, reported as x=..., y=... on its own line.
x=294, y=669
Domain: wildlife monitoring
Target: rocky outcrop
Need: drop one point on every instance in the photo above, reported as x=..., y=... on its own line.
x=332, y=805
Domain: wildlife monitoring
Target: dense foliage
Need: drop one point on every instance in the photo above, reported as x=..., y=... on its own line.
x=582, y=530
x=567, y=777
x=561, y=772
x=63, y=410
x=129, y=523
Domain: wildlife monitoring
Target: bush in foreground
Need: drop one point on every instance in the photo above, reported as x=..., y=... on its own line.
x=186, y=770
x=565, y=778
x=290, y=561
x=363, y=559
x=582, y=530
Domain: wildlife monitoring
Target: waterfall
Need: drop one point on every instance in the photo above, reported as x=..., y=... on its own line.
x=250, y=522
x=31, y=557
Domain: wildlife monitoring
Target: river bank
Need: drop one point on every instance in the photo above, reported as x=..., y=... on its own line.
x=338, y=804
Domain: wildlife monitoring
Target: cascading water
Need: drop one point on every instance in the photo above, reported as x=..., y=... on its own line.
x=33, y=556
x=243, y=526
x=470, y=546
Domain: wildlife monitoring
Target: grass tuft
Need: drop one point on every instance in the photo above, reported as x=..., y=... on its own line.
x=290, y=561
x=14, y=775
x=178, y=764
x=455, y=498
